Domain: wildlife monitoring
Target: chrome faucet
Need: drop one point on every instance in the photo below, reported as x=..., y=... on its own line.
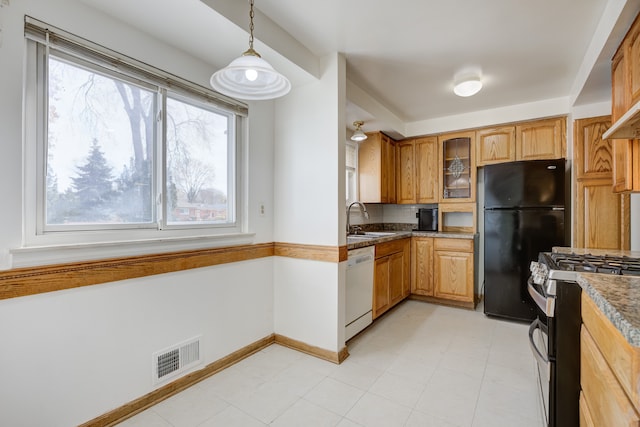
x=363, y=211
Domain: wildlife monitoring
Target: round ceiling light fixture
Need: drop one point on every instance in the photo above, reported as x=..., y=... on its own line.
x=358, y=135
x=467, y=83
x=250, y=77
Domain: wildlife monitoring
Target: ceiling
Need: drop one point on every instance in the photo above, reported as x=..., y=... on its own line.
x=403, y=53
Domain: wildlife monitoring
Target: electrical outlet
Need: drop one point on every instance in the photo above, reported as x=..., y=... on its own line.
x=261, y=209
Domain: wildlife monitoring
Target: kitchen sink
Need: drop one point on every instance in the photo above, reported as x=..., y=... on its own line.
x=368, y=235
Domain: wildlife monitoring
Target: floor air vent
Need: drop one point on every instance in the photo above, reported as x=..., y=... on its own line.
x=172, y=361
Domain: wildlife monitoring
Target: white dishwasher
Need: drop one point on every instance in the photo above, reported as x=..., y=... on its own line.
x=359, y=290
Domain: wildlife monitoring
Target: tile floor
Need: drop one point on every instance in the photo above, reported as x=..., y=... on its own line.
x=420, y=365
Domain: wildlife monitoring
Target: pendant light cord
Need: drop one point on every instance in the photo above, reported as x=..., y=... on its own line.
x=250, y=51
x=251, y=25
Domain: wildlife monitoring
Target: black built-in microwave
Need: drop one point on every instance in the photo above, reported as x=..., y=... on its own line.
x=427, y=219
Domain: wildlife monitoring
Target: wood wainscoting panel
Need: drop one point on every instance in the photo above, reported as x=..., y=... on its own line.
x=26, y=281
x=311, y=252
x=35, y=280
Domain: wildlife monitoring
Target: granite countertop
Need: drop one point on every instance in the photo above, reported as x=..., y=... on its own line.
x=618, y=297
x=395, y=235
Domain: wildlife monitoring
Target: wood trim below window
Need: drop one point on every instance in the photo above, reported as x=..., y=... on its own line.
x=27, y=281
x=311, y=252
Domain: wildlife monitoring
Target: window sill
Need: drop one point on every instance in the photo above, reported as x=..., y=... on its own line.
x=30, y=256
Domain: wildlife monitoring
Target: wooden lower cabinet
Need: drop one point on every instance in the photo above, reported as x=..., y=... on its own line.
x=391, y=274
x=609, y=372
x=422, y=266
x=586, y=420
x=442, y=270
x=453, y=271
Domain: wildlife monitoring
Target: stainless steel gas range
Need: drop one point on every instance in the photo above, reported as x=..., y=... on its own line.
x=555, y=334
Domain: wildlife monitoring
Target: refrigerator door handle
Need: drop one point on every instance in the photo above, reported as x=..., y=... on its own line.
x=546, y=304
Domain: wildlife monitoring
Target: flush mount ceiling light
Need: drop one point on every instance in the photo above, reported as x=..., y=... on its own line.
x=358, y=135
x=467, y=83
x=249, y=76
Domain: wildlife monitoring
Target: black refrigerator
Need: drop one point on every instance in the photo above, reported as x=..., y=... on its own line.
x=524, y=214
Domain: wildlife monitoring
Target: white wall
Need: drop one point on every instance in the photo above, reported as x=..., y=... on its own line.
x=67, y=357
x=70, y=356
x=309, y=207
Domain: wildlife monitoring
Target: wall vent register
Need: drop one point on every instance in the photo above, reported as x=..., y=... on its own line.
x=176, y=359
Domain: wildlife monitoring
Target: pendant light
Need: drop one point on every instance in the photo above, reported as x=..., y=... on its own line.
x=358, y=135
x=250, y=77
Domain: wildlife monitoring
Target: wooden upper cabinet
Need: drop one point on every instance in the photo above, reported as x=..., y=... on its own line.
x=625, y=93
x=406, y=172
x=427, y=169
x=457, y=166
x=495, y=145
x=417, y=171
x=620, y=96
x=633, y=58
x=541, y=139
x=626, y=165
x=593, y=156
x=601, y=217
x=376, y=169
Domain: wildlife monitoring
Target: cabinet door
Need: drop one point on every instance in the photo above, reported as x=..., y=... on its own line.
x=376, y=169
x=426, y=169
x=601, y=219
x=453, y=275
x=396, y=277
x=422, y=266
x=456, y=161
x=496, y=145
x=370, y=168
x=381, y=286
x=406, y=173
x=388, y=181
x=541, y=139
x=626, y=165
x=633, y=58
x=607, y=401
x=620, y=94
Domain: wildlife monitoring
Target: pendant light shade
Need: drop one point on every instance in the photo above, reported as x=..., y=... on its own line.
x=358, y=135
x=250, y=77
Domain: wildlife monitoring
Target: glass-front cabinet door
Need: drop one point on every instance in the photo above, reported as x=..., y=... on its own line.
x=457, y=167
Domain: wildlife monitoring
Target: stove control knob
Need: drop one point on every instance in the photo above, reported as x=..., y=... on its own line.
x=539, y=272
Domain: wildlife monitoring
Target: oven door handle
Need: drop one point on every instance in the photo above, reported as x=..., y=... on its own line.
x=542, y=359
x=546, y=304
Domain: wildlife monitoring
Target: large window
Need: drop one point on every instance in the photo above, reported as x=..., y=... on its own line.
x=120, y=146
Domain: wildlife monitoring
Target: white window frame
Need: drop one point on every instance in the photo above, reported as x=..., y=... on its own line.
x=128, y=239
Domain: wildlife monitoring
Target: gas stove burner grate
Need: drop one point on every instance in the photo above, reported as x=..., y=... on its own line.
x=589, y=263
